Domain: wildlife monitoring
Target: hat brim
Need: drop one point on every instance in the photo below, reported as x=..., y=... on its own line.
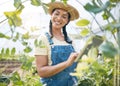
x=70, y=9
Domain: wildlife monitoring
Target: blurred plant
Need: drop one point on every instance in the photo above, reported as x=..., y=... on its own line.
x=92, y=71
x=105, y=70
x=99, y=67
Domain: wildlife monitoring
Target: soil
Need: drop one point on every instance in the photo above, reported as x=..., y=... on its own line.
x=8, y=66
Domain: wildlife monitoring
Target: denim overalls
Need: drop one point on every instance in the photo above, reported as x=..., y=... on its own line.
x=60, y=53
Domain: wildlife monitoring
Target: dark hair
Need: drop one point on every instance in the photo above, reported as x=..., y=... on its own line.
x=67, y=39
x=50, y=29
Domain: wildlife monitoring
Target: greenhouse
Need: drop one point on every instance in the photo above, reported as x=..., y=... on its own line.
x=96, y=35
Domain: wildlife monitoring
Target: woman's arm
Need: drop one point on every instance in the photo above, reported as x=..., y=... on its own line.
x=44, y=70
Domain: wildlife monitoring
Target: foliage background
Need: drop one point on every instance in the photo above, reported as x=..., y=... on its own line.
x=92, y=70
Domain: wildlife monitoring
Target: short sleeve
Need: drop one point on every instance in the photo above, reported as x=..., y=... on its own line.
x=41, y=45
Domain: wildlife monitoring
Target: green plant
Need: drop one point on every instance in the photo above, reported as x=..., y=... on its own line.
x=96, y=70
x=105, y=73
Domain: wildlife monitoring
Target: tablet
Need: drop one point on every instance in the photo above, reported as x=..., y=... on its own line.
x=96, y=41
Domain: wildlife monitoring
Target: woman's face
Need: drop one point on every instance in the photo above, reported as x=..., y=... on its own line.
x=59, y=18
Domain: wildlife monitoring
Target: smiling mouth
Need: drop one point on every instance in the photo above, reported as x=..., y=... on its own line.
x=57, y=23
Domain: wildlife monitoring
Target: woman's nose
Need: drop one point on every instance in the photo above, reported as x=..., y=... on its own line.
x=58, y=17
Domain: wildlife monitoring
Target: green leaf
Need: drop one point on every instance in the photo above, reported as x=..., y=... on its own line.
x=4, y=36
x=92, y=8
x=98, y=68
x=115, y=1
x=41, y=44
x=15, y=76
x=83, y=22
x=25, y=36
x=52, y=0
x=26, y=62
x=17, y=81
x=16, y=37
x=36, y=2
x=93, y=52
x=13, y=18
x=96, y=9
x=3, y=84
x=108, y=49
x=27, y=65
x=13, y=51
x=45, y=8
x=84, y=32
x=118, y=38
x=27, y=49
x=4, y=80
x=2, y=51
x=25, y=43
x=17, y=3
x=7, y=52
x=105, y=16
x=64, y=1
x=36, y=42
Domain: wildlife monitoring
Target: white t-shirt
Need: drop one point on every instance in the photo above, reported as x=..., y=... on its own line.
x=44, y=48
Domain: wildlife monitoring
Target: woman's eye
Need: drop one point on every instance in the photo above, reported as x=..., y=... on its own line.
x=56, y=13
x=64, y=17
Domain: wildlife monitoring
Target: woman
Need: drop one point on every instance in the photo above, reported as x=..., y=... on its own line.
x=55, y=54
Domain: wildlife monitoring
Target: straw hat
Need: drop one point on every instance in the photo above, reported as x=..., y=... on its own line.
x=73, y=11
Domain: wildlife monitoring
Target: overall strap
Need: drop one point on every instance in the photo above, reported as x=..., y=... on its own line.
x=49, y=38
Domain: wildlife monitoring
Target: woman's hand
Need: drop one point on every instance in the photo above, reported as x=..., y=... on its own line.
x=72, y=58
